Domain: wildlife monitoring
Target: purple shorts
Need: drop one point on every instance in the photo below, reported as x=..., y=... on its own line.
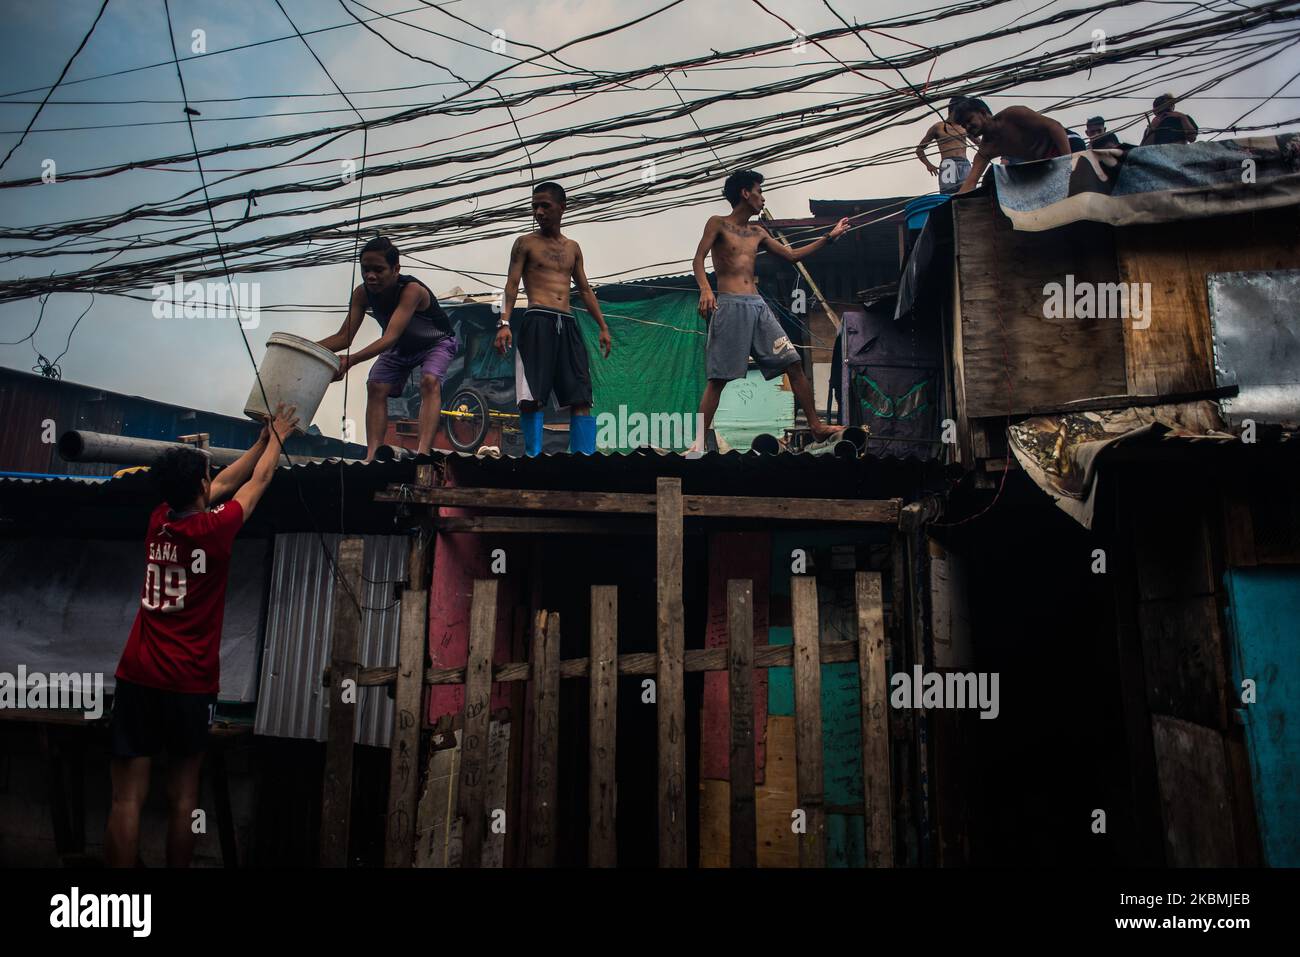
x=394, y=368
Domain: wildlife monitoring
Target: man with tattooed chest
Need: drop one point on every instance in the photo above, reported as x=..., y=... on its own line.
x=549, y=352
x=740, y=323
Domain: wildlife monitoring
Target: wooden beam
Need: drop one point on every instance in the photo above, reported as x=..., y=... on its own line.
x=740, y=689
x=602, y=844
x=403, y=758
x=670, y=690
x=345, y=644
x=544, y=525
x=839, y=510
x=477, y=713
x=808, y=720
x=638, y=663
x=546, y=733
x=873, y=683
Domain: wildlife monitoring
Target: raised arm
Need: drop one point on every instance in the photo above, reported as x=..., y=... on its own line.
x=793, y=255
x=589, y=299
x=351, y=323
x=707, y=300
x=250, y=493
x=236, y=473
x=518, y=257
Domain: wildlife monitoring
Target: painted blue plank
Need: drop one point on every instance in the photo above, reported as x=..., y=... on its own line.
x=1264, y=608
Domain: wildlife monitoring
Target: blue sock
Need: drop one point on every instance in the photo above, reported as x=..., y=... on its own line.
x=582, y=434
x=530, y=423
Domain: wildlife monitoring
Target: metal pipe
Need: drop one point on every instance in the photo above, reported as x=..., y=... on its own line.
x=79, y=446
x=82, y=446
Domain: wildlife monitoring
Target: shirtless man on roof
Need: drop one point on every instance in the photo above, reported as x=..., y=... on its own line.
x=951, y=139
x=742, y=325
x=549, y=352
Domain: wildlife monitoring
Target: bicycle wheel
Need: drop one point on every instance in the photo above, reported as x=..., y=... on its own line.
x=466, y=419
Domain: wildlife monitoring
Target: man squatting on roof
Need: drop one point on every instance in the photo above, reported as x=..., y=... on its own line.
x=741, y=324
x=549, y=351
x=170, y=670
x=416, y=333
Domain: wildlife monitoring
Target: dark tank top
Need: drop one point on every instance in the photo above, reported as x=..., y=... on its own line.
x=427, y=327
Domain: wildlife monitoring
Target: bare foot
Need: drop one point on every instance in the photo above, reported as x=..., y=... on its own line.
x=827, y=432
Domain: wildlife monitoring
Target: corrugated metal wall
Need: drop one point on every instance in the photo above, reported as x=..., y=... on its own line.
x=291, y=702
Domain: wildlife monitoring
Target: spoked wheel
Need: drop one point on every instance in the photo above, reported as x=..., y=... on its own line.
x=466, y=418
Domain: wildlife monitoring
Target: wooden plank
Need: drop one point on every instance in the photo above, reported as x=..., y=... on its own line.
x=403, y=770
x=808, y=720
x=1182, y=652
x=740, y=629
x=741, y=555
x=875, y=511
x=1193, y=775
x=602, y=841
x=495, y=799
x=670, y=684
x=1013, y=357
x=545, y=740
x=477, y=714
x=544, y=525
x=438, y=829
x=873, y=681
x=345, y=644
x=777, y=797
x=715, y=830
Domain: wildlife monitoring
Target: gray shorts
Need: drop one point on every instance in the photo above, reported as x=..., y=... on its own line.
x=741, y=327
x=952, y=174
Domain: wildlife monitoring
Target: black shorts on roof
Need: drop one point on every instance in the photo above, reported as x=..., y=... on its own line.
x=550, y=355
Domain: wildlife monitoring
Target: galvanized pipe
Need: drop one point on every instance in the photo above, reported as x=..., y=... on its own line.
x=82, y=446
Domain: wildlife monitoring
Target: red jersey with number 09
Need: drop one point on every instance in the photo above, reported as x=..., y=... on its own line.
x=175, y=643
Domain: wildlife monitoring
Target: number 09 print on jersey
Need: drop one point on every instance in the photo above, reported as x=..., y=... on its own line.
x=175, y=642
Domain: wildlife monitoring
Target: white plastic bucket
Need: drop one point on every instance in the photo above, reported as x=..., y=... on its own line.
x=295, y=371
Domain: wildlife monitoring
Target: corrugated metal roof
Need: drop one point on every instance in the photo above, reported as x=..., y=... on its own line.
x=291, y=702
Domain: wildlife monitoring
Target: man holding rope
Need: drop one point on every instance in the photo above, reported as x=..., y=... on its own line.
x=740, y=323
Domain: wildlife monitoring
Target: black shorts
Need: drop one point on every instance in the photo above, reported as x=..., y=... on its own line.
x=149, y=720
x=550, y=355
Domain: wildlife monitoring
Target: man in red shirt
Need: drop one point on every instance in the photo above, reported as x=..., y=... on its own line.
x=169, y=675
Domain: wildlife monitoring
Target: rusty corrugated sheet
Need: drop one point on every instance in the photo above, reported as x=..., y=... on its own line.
x=291, y=702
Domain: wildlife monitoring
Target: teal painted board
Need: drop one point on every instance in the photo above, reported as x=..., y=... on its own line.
x=840, y=696
x=780, y=681
x=1264, y=609
x=846, y=840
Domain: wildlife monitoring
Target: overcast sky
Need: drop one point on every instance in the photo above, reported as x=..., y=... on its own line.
x=203, y=363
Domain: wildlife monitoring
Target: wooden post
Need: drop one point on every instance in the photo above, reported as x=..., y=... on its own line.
x=873, y=683
x=474, y=737
x=808, y=720
x=602, y=844
x=740, y=632
x=404, y=748
x=336, y=796
x=670, y=684
x=546, y=730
